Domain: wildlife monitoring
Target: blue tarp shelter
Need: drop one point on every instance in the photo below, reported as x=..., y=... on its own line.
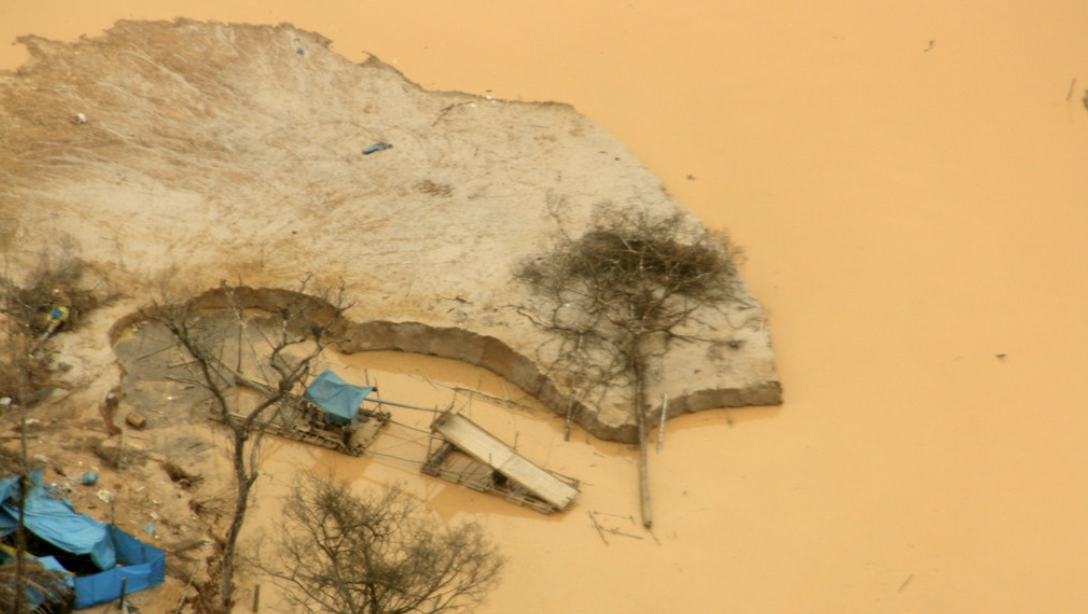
x=140, y=566
x=55, y=521
x=114, y=552
x=338, y=399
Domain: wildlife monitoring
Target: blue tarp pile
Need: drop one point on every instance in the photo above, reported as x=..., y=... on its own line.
x=115, y=553
x=339, y=399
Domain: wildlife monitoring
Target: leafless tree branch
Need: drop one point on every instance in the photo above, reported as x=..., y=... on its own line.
x=377, y=554
x=294, y=338
x=605, y=293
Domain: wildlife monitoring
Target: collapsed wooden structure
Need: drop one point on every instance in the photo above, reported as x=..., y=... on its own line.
x=467, y=454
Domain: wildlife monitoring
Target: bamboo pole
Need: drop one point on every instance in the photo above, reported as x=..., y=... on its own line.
x=150, y=354
x=570, y=417
x=598, y=527
x=121, y=450
x=621, y=533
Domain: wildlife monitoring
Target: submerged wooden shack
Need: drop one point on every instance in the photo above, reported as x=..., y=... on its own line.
x=467, y=454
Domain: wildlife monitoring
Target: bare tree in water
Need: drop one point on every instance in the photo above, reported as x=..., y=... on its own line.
x=605, y=294
x=294, y=337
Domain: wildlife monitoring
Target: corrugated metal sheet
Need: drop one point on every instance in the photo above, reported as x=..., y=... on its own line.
x=478, y=443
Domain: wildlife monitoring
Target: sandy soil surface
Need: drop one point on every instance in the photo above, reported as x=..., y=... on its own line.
x=197, y=152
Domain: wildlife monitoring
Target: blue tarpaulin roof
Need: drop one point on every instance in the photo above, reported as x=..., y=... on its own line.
x=54, y=521
x=339, y=399
x=116, y=553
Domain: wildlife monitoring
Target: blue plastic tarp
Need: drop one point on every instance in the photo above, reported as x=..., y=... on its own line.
x=339, y=399
x=9, y=487
x=116, y=553
x=140, y=567
x=54, y=521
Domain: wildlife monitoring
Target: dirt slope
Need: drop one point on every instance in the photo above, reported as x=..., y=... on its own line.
x=199, y=152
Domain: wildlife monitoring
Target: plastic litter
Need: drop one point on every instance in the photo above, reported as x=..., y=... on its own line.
x=376, y=147
x=90, y=478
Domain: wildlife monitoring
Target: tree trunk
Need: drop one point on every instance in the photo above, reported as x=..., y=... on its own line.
x=243, y=482
x=639, y=368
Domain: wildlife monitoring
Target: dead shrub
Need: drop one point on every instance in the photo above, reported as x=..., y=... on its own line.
x=52, y=297
x=57, y=281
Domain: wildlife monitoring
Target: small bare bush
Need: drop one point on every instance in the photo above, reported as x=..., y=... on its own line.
x=50, y=298
x=56, y=281
x=380, y=553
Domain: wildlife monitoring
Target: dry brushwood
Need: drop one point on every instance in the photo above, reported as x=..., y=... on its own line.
x=49, y=298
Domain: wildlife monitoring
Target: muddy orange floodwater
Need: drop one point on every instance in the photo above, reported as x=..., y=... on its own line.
x=910, y=183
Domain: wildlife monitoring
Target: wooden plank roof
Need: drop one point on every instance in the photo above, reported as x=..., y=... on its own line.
x=473, y=440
